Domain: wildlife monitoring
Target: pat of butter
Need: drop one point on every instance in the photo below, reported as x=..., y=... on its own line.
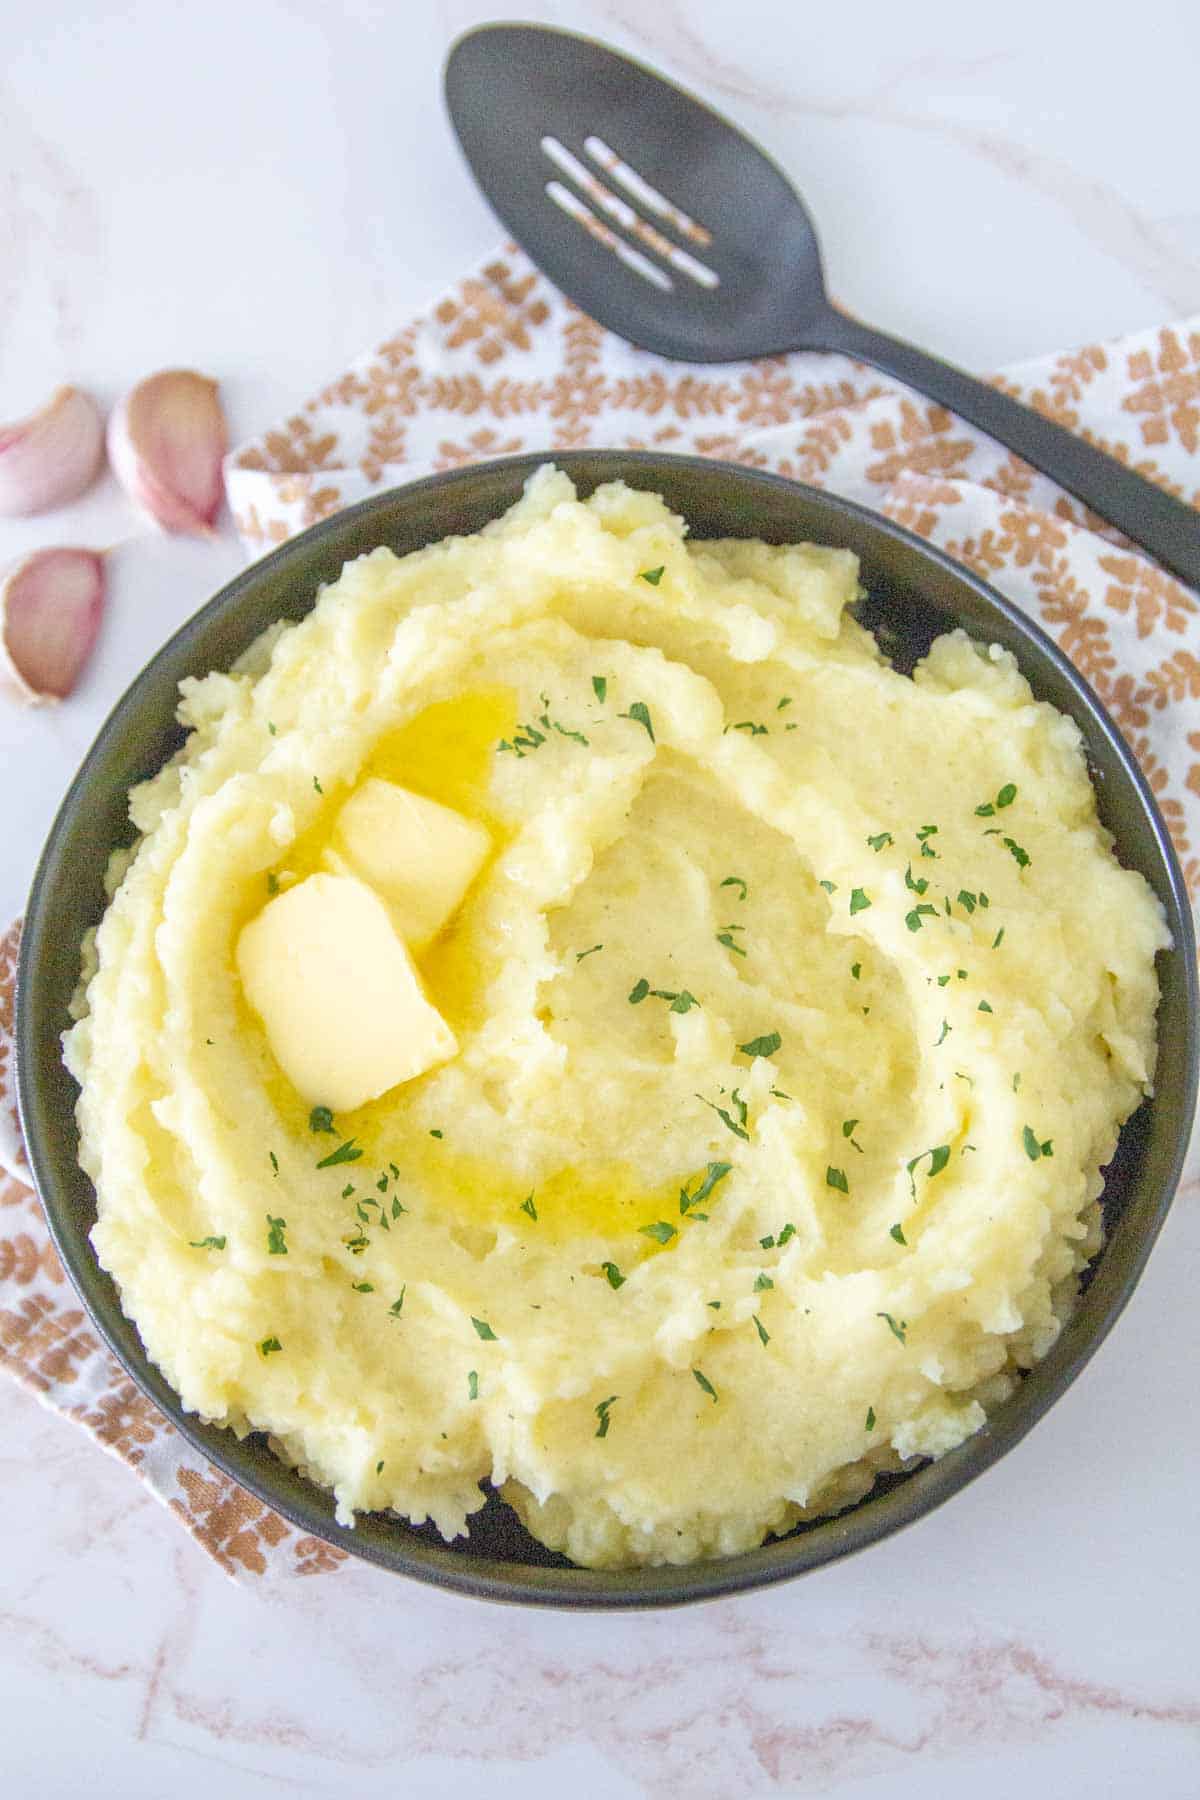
x=419, y=855
x=337, y=993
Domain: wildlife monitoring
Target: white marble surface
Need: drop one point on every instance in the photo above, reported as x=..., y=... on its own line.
x=261, y=189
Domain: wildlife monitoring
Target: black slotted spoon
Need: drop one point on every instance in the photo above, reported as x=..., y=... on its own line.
x=674, y=230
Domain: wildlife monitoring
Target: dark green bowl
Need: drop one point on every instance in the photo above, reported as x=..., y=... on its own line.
x=914, y=592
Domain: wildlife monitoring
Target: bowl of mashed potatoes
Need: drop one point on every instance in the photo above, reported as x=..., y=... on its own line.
x=607, y=1031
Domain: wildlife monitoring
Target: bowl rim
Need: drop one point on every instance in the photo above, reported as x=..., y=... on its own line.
x=876, y=1517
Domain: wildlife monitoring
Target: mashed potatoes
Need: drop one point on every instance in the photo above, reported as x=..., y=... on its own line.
x=795, y=1011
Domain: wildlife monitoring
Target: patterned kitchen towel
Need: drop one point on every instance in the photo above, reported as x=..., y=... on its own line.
x=501, y=364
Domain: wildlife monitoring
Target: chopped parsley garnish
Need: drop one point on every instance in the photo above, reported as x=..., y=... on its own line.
x=653, y=576
x=639, y=713
x=947, y=1028
x=848, y=1129
x=473, y=1384
x=859, y=901
x=208, y=1243
x=870, y=1418
x=777, y=1243
x=983, y=1007
x=880, y=841
x=276, y=1242
x=703, y=1382
x=736, y=881
x=751, y=727
x=661, y=1231
x=397, y=1306
x=318, y=786
x=897, y=1232
x=715, y=1304
x=356, y=1242
x=939, y=1156
x=762, y=1283
x=998, y=939
x=855, y=971
x=829, y=886
x=942, y=980
x=764, y=1336
x=726, y=938
x=680, y=1002
x=397, y=1209
x=836, y=1178
x=563, y=730
x=766, y=1045
x=436, y=1133
x=967, y=900
x=1034, y=1149
x=926, y=831
x=897, y=1327
x=715, y=1172
x=580, y=954
x=780, y=704
x=269, y=1346
x=738, y=1126
x=483, y=1330
x=600, y=687
x=272, y=883
x=270, y=728
x=346, y=1152
x=601, y=1409
x=1019, y=856
x=363, y=1287
x=1005, y=797
x=613, y=1275
x=919, y=912
x=527, y=1206
x=914, y=884
x=321, y=1119
x=524, y=738
x=379, y=1468
x=274, y=1162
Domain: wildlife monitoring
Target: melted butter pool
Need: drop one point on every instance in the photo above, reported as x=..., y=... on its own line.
x=445, y=753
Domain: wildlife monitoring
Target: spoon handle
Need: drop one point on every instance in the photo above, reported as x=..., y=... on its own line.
x=1168, y=528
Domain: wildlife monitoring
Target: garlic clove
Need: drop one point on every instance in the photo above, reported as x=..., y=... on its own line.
x=51, y=604
x=166, y=440
x=52, y=456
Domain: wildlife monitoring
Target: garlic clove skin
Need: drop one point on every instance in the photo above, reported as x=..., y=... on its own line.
x=51, y=604
x=52, y=456
x=166, y=441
